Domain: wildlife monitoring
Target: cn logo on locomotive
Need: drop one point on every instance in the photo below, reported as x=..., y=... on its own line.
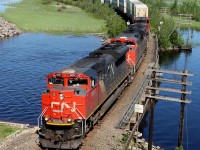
x=63, y=105
x=110, y=70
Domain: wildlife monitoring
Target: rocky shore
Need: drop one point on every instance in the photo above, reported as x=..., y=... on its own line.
x=7, y=29
x=141, y=144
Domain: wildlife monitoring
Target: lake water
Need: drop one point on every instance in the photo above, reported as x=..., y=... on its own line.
x=4, y=4
x=25, y=61
x=166, y=125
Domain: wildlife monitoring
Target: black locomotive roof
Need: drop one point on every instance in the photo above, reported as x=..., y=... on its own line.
x=135, y=28
x=98, y=59
x=87, y=66
x=117, y=50
x=135, y=36
x=135, y=31
x=87, y=62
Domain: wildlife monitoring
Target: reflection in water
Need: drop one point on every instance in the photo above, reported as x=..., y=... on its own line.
x=168, y=58
x=4, y=4
x=194, y=36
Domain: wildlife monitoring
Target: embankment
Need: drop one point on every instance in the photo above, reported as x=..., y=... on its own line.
x=23, y=138
x=7, y=29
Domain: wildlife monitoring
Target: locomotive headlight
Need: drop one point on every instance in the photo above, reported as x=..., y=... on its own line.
x=69, y=120
x=76, y=130
x=46, y=118
x=61, y=96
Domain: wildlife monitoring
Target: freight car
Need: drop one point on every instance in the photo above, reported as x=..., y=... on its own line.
x=134, y=10
x=77, y=96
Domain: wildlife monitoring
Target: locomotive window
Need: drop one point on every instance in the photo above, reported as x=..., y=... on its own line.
x=56, y=81
x=77, y=82
x=141, y=21
x=130, y=43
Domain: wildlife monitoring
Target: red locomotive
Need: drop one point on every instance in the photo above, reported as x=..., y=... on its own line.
x=136, y=37
x=78, y=95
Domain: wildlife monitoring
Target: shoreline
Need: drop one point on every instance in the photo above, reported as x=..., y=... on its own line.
x=23, y=132
x=18, y=125
x=48, y=18
x=8, y=29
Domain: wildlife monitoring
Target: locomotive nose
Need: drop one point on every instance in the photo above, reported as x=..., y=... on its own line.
x=61, y=104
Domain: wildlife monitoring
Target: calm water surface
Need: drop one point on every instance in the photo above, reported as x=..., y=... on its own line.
x=24, y=63
x=4, y=4
x=166, y=125
x=26, y=60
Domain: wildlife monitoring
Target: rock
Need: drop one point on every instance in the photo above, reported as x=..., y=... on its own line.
x=7, y=29
x=141, y=141
x=138, y=134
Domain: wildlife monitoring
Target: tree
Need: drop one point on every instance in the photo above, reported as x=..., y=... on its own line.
x=175, y=8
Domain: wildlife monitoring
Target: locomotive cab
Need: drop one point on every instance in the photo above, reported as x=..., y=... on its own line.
x=63, y=108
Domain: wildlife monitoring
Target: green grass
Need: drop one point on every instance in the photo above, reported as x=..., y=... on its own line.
x=33, y=16
x=194, y=24
x=6, y=130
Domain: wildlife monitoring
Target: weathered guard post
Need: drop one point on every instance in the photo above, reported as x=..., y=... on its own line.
x=183, y=99
x=150, y=85
x=152, y=105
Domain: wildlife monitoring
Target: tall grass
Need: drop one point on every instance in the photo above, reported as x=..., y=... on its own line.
x=195, y=25
x=35, y=16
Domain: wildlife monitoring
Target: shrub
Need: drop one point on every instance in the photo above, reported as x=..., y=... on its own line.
x=175, y=40
x=59, y=9
x=165, y=40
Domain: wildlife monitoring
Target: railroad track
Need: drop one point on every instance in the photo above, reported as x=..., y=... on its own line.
x=105, y=136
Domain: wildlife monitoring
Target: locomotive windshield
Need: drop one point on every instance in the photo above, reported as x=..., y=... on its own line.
x=130, y=43
x=56, y=81
x=77, y=82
